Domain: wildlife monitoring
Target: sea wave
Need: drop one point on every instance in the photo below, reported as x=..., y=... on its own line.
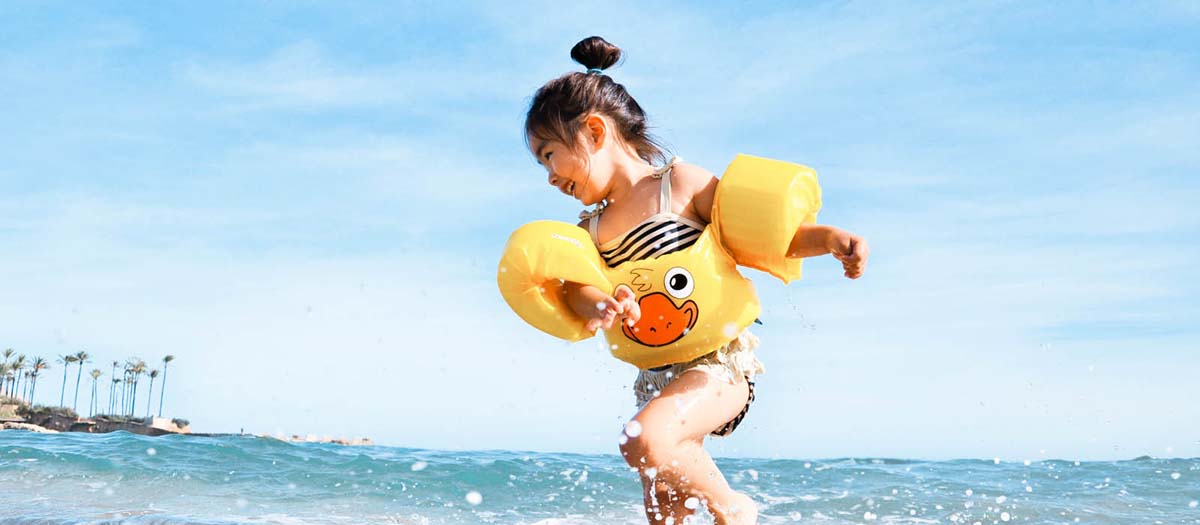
x=124, y=478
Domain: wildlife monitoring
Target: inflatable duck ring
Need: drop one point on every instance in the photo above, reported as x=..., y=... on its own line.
x=693, y=301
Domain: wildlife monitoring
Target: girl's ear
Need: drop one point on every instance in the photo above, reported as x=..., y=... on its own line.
x=596, y=130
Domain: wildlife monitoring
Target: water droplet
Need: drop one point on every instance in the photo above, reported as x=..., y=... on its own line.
x=730, y=330
x=419, y=466
x=651, y=472
x=633, y=429
x=474, y=498
x=1004, y=516
x=150, y=451
x=1001, y=499
x=1193, y=503
x=691, y=503
x=969, y=492
x=1174, y=475
x=869, y=516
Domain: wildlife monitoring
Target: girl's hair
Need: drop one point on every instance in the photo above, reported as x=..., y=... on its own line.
x=558, y=107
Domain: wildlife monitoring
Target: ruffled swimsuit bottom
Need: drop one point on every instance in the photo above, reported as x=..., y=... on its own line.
x=732, y=363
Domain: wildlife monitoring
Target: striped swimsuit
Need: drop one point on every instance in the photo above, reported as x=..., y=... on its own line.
x=660, y=234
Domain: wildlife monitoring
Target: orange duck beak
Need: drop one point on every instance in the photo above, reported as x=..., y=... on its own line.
x=662, y=322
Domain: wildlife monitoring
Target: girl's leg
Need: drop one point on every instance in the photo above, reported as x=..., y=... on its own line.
x=673, y=427
x=664, y=504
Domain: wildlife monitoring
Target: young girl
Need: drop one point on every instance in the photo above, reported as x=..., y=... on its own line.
x=591, y=136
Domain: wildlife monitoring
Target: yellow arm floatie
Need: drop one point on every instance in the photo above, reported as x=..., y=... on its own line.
x=759, y=205
x=539, y=256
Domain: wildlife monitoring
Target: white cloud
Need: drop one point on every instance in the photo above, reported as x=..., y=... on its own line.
x=303, y=76
x=297, y=76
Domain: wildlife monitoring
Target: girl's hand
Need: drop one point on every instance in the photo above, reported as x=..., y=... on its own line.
x=851, y=249
x=622, y=303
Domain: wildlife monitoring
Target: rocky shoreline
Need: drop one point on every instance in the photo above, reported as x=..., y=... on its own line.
x=53, y=421
x=50, y=422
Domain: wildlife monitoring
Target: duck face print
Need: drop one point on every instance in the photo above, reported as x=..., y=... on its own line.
x=667, y=315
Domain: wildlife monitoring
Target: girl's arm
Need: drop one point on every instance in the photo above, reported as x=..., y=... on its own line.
x=812, y=240
x=599, y=308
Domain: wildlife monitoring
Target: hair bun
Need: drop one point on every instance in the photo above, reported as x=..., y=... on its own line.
x=596, y=53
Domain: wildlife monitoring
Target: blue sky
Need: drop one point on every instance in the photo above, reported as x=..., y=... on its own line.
x=305, y=203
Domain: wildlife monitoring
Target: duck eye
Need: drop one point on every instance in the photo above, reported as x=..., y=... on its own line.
x=679, y=283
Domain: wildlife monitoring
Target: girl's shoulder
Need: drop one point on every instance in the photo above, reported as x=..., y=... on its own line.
x=690, y=174
x=694, y=185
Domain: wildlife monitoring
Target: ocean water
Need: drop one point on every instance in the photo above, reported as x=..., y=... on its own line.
x=125, y=478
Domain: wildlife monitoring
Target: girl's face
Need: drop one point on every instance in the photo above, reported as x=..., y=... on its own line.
x=569, y=169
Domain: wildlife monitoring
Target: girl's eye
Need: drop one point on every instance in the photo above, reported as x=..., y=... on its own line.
x=548, y=154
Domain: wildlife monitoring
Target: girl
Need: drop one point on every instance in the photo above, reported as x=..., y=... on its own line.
x=591, y=136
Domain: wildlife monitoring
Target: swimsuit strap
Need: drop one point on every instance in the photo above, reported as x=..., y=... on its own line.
x=664, y=198
x=594, y=226
x=664, y=195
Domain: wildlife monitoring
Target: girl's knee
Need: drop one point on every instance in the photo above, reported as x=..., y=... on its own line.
x=649, y=448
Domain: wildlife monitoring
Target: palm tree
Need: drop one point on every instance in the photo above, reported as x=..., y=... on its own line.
x=39, y=364
x=25, y=388
x=17, y=366
x=4, y=369
x=166, y=361
x=92, y=407
x=138, y=369
x=112, y=389
x=150, y=392
x=112, y=396
x=125, y=389
x=66, y=361
x=81, y=358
